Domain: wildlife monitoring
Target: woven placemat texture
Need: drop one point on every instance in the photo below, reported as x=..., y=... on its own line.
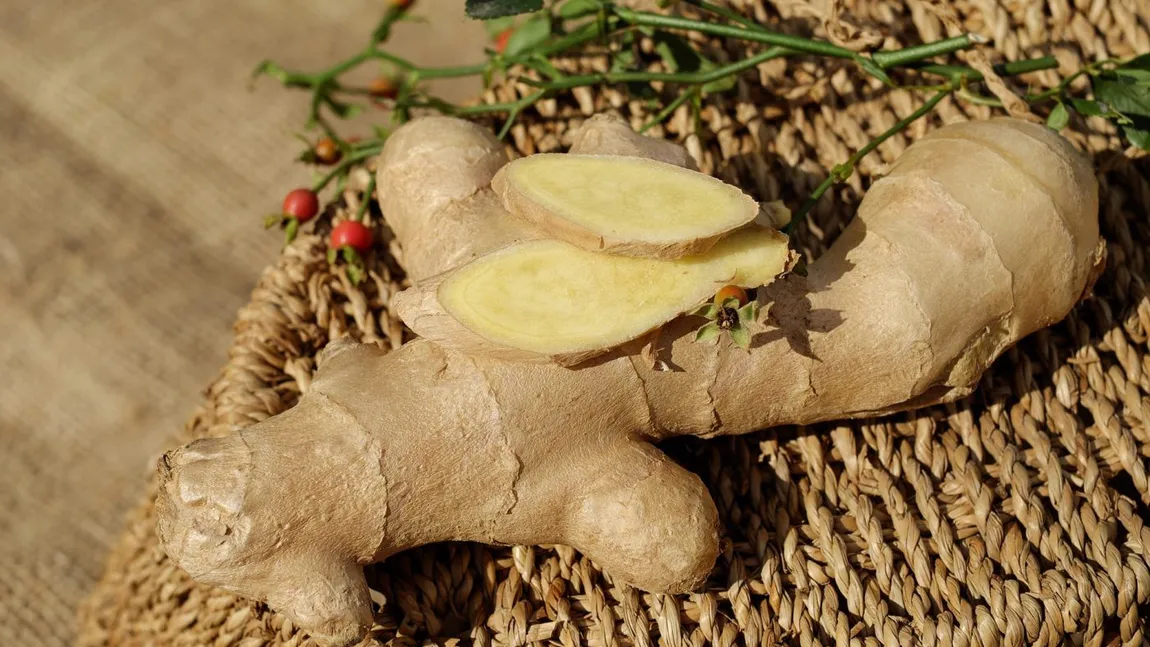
x=1013, y=517
x=135, y=166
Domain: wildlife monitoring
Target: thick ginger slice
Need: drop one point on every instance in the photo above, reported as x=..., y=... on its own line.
x=553, y=300
x=623, y=205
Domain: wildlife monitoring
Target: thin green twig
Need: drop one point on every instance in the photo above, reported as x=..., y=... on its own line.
x=842, y=172
x=368, y=195
x=670, y=108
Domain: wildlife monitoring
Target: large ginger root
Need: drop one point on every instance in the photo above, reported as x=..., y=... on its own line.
x=546, y=299
x=623, y=205
x=981, y=234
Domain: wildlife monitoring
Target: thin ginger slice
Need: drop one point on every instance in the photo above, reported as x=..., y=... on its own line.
x=623, y=205
x=555, y=299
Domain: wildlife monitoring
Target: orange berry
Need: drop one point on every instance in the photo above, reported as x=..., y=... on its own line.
x=731, y=292
x=327, y=151
x=501, y=39
x=383, y=87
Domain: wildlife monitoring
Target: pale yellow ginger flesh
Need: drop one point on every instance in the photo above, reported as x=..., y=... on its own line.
x=553, y=298
x=981, y=233
x=624, y=205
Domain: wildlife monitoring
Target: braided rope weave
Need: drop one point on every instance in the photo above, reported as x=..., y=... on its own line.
x=1013, y=517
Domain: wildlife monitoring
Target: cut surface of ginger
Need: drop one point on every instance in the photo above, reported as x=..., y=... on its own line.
x=553, y=298
x=634, y=205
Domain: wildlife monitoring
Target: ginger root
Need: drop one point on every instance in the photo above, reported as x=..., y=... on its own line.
x=982, y=233
x=547, y=299
x=623, y=205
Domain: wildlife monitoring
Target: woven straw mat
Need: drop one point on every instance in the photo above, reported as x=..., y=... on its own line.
x=1013, y=517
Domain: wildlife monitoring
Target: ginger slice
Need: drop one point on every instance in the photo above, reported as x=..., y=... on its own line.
x=549, y=299
x=623, y=205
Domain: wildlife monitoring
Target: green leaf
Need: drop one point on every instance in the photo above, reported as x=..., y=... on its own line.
x=870, y=67
x=1138, y=137
x=497, y=26
x=680, y=56
x=741, y=335
x=331, y=256
x=1059, y=117
x=730, y=302
x=1137, y=69
x=488, y=9
x=623, y=61
x=543, y=66
x=344, y=110
x=578, y=8
x=708, y=332
x=355, y=274
x=708, y=310
x=748, y=312
x=1089, y=108
x=532, y=33
x=291, y=230
x=1129, y=100
x=677, y=54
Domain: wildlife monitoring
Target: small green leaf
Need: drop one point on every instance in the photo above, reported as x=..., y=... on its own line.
x=350, y=256
x=344, y=110
x=497, y=26
x=1138, y=137
x=540, y=64
x=488, y=9
x=331, y=256
x=1090, y=108
x=623, y=61
x=731, y=302
x=1059, y=117
x=290, y=230
x=578, y=8
x=273, y=219
x=708, y=332
x=708, y=310
x=870, y=67
x=680, y=56
x=355, y=274
x=741, y=335
x=532, y=33
x=1137, y=69
x=1129, y=100
x=677, y=54
x=748, y=312
x=268, y=68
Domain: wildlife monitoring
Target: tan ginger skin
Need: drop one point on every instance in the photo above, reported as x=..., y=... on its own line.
x=981, y=233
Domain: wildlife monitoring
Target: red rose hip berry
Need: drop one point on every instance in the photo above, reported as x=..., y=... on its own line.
x=301, y=204
x=501, y=40
x=353, y=234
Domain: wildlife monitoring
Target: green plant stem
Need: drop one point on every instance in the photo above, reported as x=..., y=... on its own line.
x=365, y=199
x=727, y=13
x=346, y=163
x=568, y=82
x=670, y=108
x=1012, y=68
x=842, y=172
x=796, y=43
x=913, y=54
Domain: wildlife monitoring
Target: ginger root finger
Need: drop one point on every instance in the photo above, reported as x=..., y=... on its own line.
x=548, y=300
x=608, y=135
x=435, y=175
x=623, y=205
x=434, y=184
x=924, y=289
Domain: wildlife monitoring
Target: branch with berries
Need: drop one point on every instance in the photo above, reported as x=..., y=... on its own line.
x=527, y=36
